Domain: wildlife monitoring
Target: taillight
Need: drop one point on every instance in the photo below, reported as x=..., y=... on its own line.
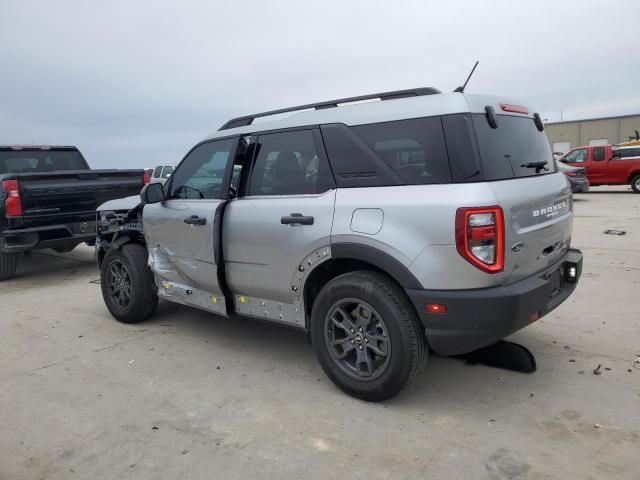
x=146, y=178
x=506, y=107
x=12, y=202
x=480, y=237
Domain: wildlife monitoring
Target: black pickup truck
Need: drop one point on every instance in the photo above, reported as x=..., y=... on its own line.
x=48, y=199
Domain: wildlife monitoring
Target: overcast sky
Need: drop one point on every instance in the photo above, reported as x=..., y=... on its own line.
x=137, y=83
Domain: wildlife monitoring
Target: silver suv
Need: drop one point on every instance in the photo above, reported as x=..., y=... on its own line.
x=384, y=225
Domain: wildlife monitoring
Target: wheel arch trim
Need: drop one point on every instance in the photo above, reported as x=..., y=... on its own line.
x=382, y=260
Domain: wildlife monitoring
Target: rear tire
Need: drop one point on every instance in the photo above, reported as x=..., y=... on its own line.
x=367, y=336
x=127, y=284
x=8, y=265
x=635, y=183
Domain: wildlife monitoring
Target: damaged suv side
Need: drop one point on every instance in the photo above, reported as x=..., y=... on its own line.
x=423, y=221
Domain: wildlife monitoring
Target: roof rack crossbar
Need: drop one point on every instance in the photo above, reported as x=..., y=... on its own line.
x=413, y=92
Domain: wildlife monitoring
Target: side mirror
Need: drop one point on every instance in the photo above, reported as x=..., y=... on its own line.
x=152, y=193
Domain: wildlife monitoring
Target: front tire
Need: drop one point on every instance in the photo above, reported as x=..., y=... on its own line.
x=635, y=183
x=127, y=284
x=8, y=265
x=366, y=335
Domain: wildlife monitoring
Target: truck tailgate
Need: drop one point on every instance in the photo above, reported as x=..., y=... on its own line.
x=57, y=194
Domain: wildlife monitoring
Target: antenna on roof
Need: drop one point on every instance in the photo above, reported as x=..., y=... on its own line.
x=461, y=89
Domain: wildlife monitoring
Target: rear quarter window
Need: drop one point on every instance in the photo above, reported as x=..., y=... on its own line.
x=630, y=152
x=505, y=151
x=414, y=149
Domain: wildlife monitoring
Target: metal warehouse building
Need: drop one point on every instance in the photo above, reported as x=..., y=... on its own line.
x=592, y=131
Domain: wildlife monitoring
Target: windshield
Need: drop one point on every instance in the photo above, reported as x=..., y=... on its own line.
x=30, y=161
x=515, y=149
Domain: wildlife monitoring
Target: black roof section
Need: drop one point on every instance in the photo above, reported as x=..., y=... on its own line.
x=412, y=92
x=31, y=148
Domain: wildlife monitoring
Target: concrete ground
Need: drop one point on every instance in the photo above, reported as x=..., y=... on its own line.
x=192, y=396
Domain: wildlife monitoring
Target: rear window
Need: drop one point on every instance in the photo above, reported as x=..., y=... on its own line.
x=30, y=161
x=630, y=152
x=506, y=151
x=414, y=149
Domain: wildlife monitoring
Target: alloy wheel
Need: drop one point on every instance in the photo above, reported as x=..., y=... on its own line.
x=357, y=339
x=119, y=283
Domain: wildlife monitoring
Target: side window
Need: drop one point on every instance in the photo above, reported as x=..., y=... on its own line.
x=598, y=154
x=288, y=163
x=577, y=156
x=167, y=172
x=414, y=149
x=630, y=152
x=156, y=172
x=201, y=173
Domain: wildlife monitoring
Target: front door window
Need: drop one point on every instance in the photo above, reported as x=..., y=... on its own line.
x=577, y=156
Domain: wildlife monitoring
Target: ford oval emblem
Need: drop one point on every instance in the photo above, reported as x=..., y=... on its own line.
x=517, y=247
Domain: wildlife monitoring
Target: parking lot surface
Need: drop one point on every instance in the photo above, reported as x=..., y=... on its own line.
x=194, y=396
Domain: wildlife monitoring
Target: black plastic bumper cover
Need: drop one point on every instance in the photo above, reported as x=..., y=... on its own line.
x=50, y=236
x=477, y=318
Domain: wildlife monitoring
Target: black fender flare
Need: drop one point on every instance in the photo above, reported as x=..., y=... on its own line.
x=120, y=241
x=379, y=259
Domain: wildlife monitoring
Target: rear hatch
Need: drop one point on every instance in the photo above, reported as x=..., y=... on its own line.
x=535, y=197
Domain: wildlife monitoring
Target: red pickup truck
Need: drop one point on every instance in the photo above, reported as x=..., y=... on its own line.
x=607, y=164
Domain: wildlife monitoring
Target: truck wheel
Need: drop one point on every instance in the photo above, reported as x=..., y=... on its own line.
x=8, y=265
x=366, y=335
x=635, y=183
x=128, y=288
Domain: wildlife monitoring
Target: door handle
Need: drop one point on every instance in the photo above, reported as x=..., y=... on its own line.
x=296, y=219
x=195, y=220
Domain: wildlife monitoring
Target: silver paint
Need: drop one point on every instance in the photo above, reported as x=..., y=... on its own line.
x=127, y=203
x=289, y=313
x=261, y=254
x=367, y=220
x=179, y=252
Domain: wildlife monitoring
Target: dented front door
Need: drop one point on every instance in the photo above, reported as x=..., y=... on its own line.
x=180, y=231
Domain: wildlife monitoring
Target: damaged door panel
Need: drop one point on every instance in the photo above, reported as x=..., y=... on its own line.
x=179, y=231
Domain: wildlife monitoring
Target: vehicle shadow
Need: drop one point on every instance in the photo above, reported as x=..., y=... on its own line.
x=47, y=266
x=263, y=343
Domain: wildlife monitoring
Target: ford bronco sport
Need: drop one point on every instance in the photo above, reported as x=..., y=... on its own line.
x=420, y=221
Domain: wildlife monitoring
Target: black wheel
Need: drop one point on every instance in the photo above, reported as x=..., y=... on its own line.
x=128, y=288
x=8, y=265
x=366, y=335
x=635, y=183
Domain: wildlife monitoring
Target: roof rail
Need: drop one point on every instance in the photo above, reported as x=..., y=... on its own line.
x=412, y=92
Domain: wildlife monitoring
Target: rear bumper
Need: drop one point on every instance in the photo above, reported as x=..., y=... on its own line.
x=477, y=318
x=579, y=185
x=64, y=236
